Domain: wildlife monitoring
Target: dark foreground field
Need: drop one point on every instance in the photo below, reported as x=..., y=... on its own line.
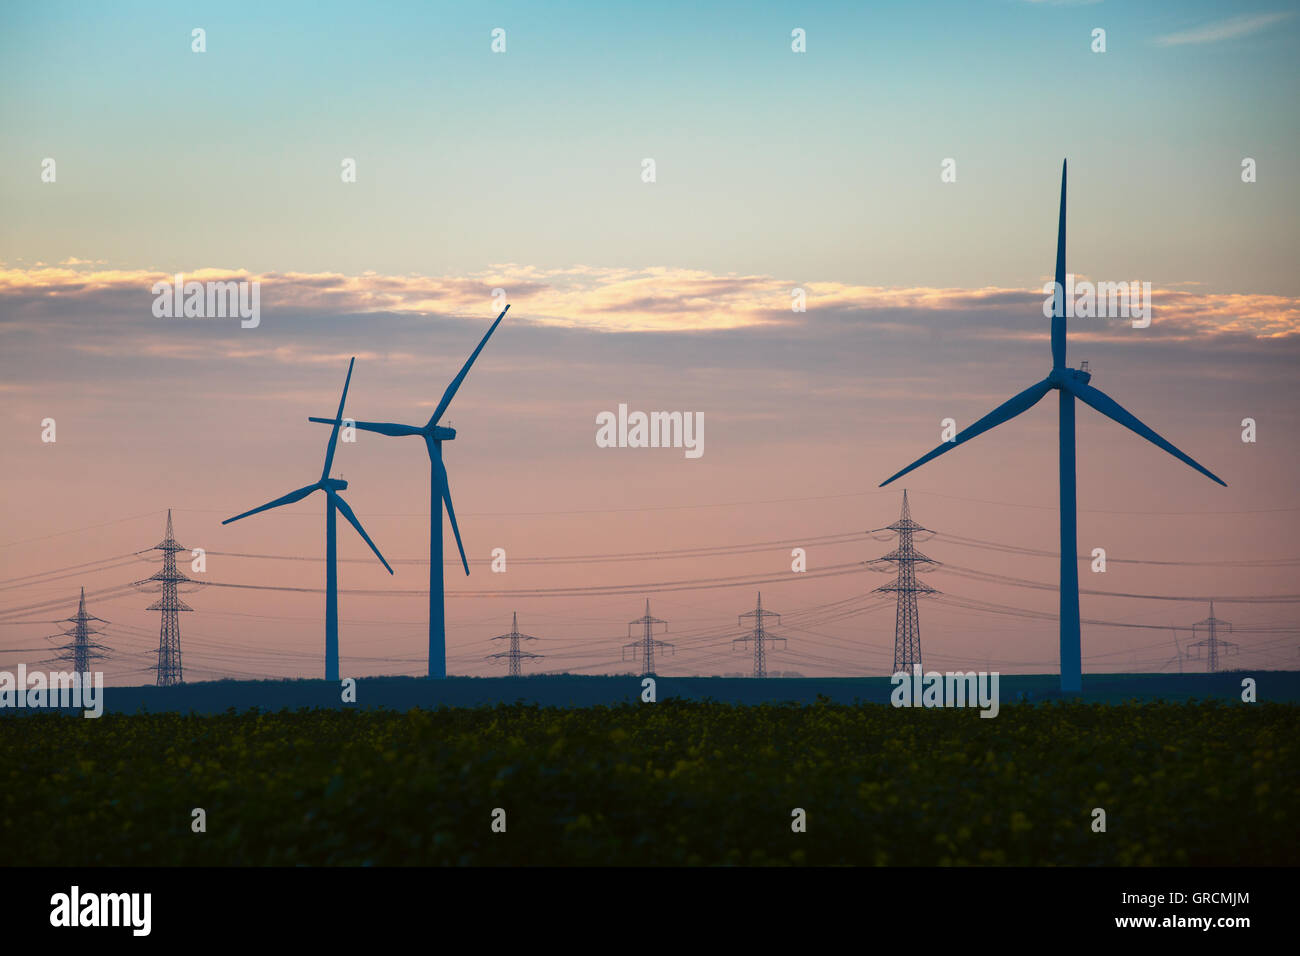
x=677, y=782
x=570, y=690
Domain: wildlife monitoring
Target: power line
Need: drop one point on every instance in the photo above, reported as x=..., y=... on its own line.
x=709, y=638
x=112, y=591
x=842, y=538
x=771, y=501
x=1037, y=552
x=678, y=553
x=7, y=583
x=991, y=578
x=89, y=527
x=704, y=584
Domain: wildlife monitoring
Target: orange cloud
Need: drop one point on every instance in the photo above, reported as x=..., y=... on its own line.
x=654, y=299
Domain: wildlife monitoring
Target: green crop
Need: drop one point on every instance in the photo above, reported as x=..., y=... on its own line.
x=666, y=783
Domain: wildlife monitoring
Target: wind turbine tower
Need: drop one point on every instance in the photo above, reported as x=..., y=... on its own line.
x=1069, y=384
x=334, y=503
x=908, y=587
x=645, y=645
x=439, y=494
x=759, y=635
x=82, y=650
x=514, y=655
x=1212, y=643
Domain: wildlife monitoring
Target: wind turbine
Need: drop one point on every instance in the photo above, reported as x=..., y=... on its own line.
x=1071, y=384
x=434, y=435
x=333, y=502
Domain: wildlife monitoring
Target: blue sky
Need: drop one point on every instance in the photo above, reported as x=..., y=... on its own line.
x=816, y=166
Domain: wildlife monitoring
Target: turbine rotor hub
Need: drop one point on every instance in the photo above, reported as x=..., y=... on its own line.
x=1074, y=376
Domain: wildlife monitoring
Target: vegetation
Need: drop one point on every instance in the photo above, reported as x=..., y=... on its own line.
x=667, y=783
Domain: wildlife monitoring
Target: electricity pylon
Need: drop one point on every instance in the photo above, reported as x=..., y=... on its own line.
x=907, y=620
x=759, y=635
x=645, y=645
x=82, y=650
x=168, y=579
x=514, y=655
x=1178, y=653
x=1212, y=643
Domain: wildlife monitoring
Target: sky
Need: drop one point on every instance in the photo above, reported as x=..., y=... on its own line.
x=523, y=171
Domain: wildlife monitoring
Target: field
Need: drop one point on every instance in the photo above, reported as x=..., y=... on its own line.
x=676, y=782
x=570, y=690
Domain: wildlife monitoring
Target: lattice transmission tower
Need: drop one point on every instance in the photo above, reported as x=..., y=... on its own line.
x=81, y=650
x=645, y=645
x=168, y=580
x=1179, y=654
x=908, y=587
x=759, y=635
x=514, y=655
x=1212, y=644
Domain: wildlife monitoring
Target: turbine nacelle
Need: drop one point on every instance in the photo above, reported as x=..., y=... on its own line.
x=443, y=433
x=1065, y=377
x=334, y=484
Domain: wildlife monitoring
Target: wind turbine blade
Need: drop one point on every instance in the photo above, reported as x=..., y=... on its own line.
x=338, y=421
x=451, y=512
x=352, y=519
x=448, y=395
x=1004, y=412
x=383, y=428
x=1058, y=310
x=1117, y=412
x=288, y=499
